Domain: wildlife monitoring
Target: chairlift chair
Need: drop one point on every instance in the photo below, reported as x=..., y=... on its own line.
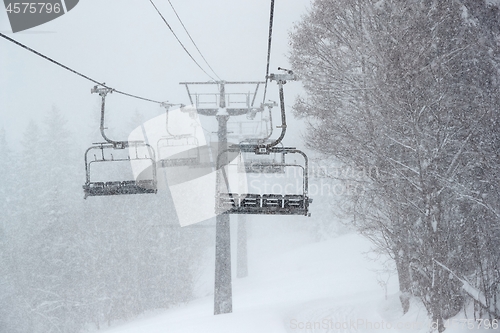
x=186, y=157
x=228, y=202
x=185, y=147
x=267, y=204
x=105, y=155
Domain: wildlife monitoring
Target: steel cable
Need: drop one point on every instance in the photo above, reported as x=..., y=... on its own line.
x=76, y=72
x=189, y=54
x=196, y=46
x=269, y=40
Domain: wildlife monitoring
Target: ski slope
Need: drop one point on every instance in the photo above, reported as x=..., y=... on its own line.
x=295, y=285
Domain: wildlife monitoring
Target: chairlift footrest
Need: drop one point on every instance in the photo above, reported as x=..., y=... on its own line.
x=261, y=168
x=175, y=162
x=266, y=204
x=119, y=188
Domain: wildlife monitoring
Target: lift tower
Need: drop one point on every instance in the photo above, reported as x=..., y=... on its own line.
x=228, y=202
x=223, y=105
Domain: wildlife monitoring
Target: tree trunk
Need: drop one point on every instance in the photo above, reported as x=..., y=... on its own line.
x=403, y=269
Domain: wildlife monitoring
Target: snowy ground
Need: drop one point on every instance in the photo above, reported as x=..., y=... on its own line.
x=295, y=285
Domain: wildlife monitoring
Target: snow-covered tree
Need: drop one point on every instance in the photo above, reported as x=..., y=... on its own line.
x=407, y=88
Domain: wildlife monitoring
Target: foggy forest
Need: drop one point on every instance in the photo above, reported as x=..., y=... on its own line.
x=395, y=131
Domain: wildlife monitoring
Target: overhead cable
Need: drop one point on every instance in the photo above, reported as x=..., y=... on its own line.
x=171, y=30
x=75, y=72
x=269, y=40
x=189, y=35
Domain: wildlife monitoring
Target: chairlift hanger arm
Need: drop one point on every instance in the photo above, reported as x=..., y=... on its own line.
x=283, y=118
x=103, y=91
x=167, y=106
x=281, y=80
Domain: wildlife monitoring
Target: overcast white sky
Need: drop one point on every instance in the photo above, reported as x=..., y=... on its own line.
x=126, y=44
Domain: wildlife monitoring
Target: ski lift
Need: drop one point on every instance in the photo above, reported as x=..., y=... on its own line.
x=140, y=153
x=228, y=202
x=186, y=148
